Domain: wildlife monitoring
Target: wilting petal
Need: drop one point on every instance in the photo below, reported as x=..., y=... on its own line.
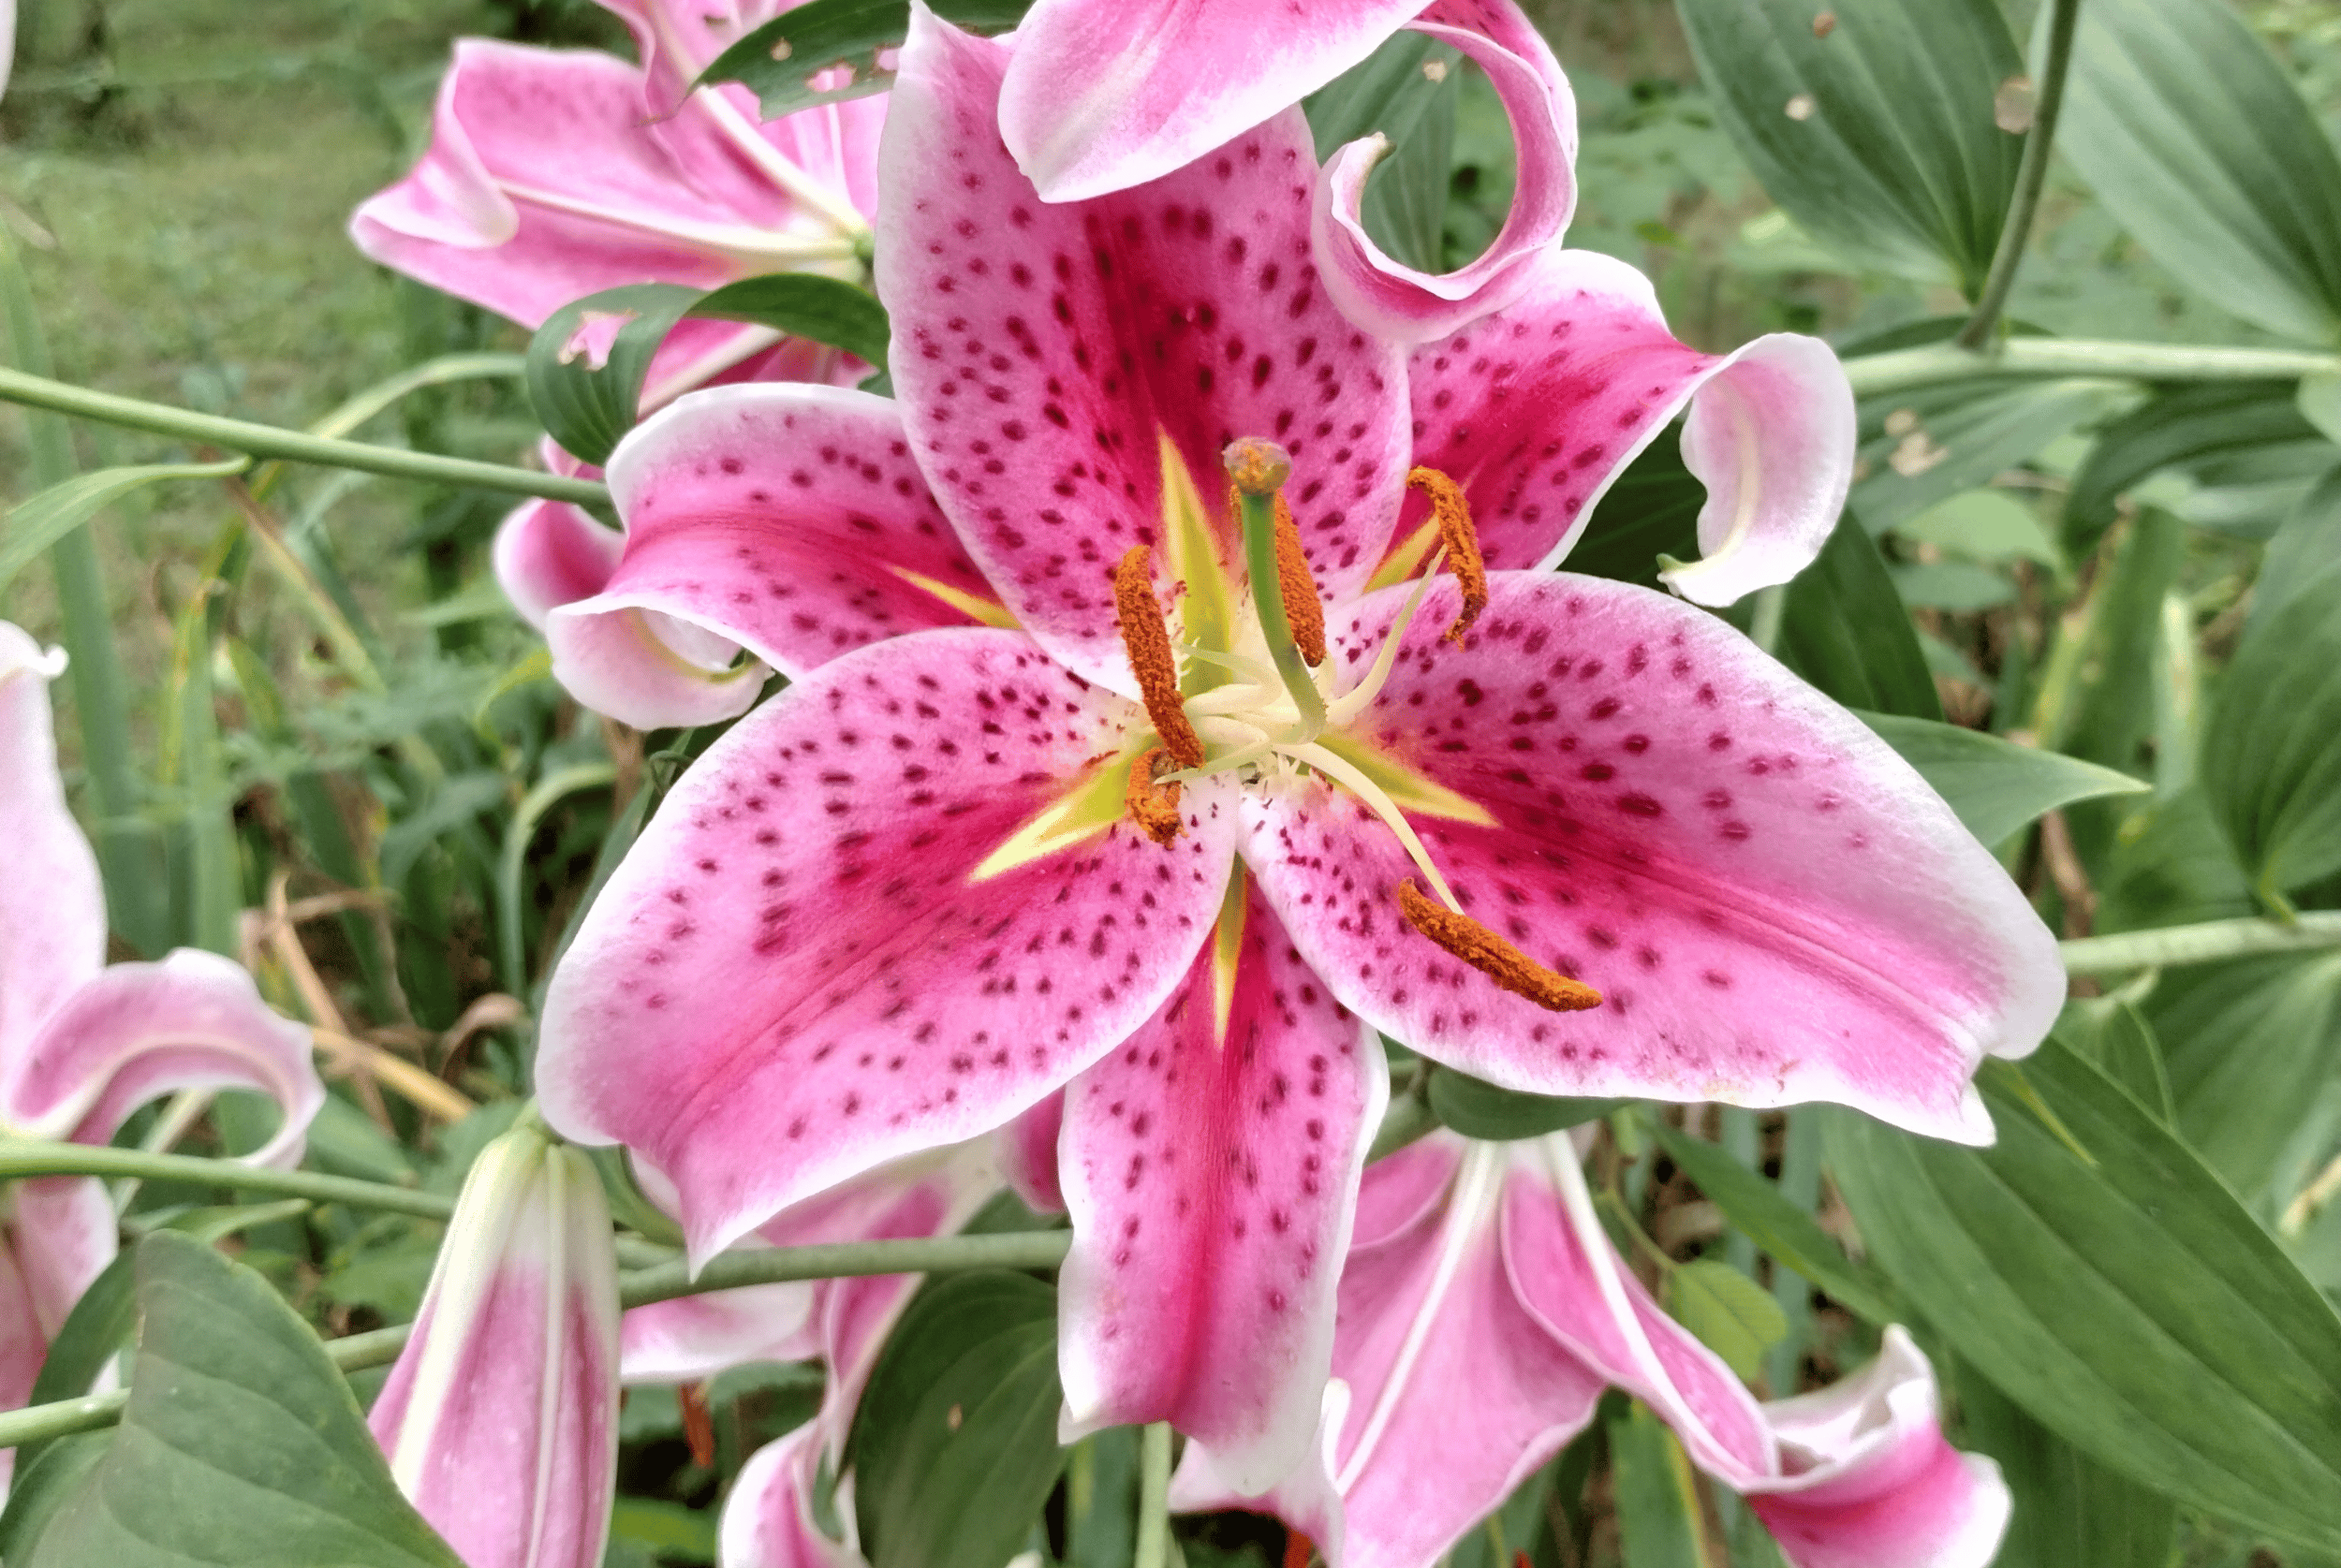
x=1455, y=1393
x=795, y=975
x=53, y=909
x=1407, y=305
x=1104, y=94
x=1210, y=1167
x=1569, y=1277
x=500, y=1417
x=1871, y=1483
x=785, y=520
x=1774, y=906
x=1028, y=1156
x=194, y=1020
x=768, y=1518
x=1537, y=409
x=1048, y=357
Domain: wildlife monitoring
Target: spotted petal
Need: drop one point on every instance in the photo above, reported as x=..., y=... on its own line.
x=785, y=520
x=194, y=1020
x=1537, y=409
x=1403, y=303
x=800, y=971
x=1055, y=363
x=1105, y=95
x=1455, y=1393
x=1774, y=906
x=52, y=911
x=1871, y=1483
x=1211, y=1163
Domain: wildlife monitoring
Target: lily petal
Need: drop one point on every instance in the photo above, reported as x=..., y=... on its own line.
x=1871, y=1482
x=1211, y=1166
x=194, y=1020
x=1774, y=906
x=785, y=520
x=500, y=1416
x=1537, y=409
x=1402, y=303
x=696, y=1337
x=797, y=974
x=53, y=908
x=1028, y=1156
x=1427, y=1311
x=1104, y=94
x=1054, y=361
x=549, y=554
x=768, y=1518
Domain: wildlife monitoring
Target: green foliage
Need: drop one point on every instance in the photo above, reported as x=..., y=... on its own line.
x=2272, y=756
x=1995, y=785
x=1481, y=1110
x=777, y=61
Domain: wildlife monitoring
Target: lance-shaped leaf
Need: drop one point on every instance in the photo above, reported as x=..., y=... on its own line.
x=1995, y=785
x=41, y=520
x=2272, y=757
x=241, y=1442
x=2130, y=1304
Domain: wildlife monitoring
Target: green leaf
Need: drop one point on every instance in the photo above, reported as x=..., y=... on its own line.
x=587, y=407
x=2249, y=1044
x=777, y=61
x=2309, y=541
x=40, y=520
x=1995, y=787
x=1958, y=586
x=1479, y=1110
x=1876, y=133
x=2193, y=135
x=2132, y=1306
x=1730, y=1314
x=2098, y=702
x=241, y=1442
x=46, y=1476
x=1658, y=1518
x=1789, y=1236
x=1845, y=630
x=1925, y=445
x=954, y=1447
x=2114, y=1034
x=1652, y=509
x=1983, y=525
x=1408, y=90
x=674, y=1532
x=99, y=1324
x=2069, y=1510
x=2272, y=755
x=2190, y=430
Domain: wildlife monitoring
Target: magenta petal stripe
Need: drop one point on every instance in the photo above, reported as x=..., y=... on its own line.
x=1774, y=906
x=1211, y=1165
x=1044, y=354
x=796, y=976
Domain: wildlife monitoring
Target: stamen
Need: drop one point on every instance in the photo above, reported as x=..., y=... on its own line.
x=1259, y=469
x=1153, y=804
x=1492, y=956
x=1304, y=609
x=1147, y=640
x=1358, y=697
x=1463, y=545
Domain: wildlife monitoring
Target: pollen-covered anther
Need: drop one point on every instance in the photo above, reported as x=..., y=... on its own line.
x=1146, y=638
x=1153, y=804
x=1304, y=610
x=1492, y=956
x=1453, y=515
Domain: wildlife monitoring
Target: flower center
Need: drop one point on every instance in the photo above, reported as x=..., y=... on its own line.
x=1262, y=707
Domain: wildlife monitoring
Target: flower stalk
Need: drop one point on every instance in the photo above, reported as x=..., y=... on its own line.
x=2031, y=176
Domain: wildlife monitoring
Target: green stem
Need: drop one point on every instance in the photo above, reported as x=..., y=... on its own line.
x=20, y=1158
x=511, y=945
x=273, y=441
x=2207, y=943
x=1873, y=375
x=2031, y=175
x=1153, y=1498
x=1044, y=1249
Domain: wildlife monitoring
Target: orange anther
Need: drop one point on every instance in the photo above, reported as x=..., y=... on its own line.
x=1147, y=639
x=1304, y=612
x=1492, y=956
x=1463, y=545
x=1154, y=805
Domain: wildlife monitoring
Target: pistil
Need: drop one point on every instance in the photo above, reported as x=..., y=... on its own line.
x=1260, y=469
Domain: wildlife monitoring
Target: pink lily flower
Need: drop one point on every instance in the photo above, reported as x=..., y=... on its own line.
x=1152, y=854
x=1483, y=1265
x=500, y=1416
x=554, y=175
x=1105, y=95
x=83, y=1044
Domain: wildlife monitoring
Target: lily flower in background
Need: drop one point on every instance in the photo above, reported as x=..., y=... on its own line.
x=500, y=1418
x=554, y=175
x=1484, y=1266
x=1162, y=846
x=83, y=1044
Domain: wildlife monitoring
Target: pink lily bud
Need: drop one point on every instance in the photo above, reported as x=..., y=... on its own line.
x=500, y=1418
